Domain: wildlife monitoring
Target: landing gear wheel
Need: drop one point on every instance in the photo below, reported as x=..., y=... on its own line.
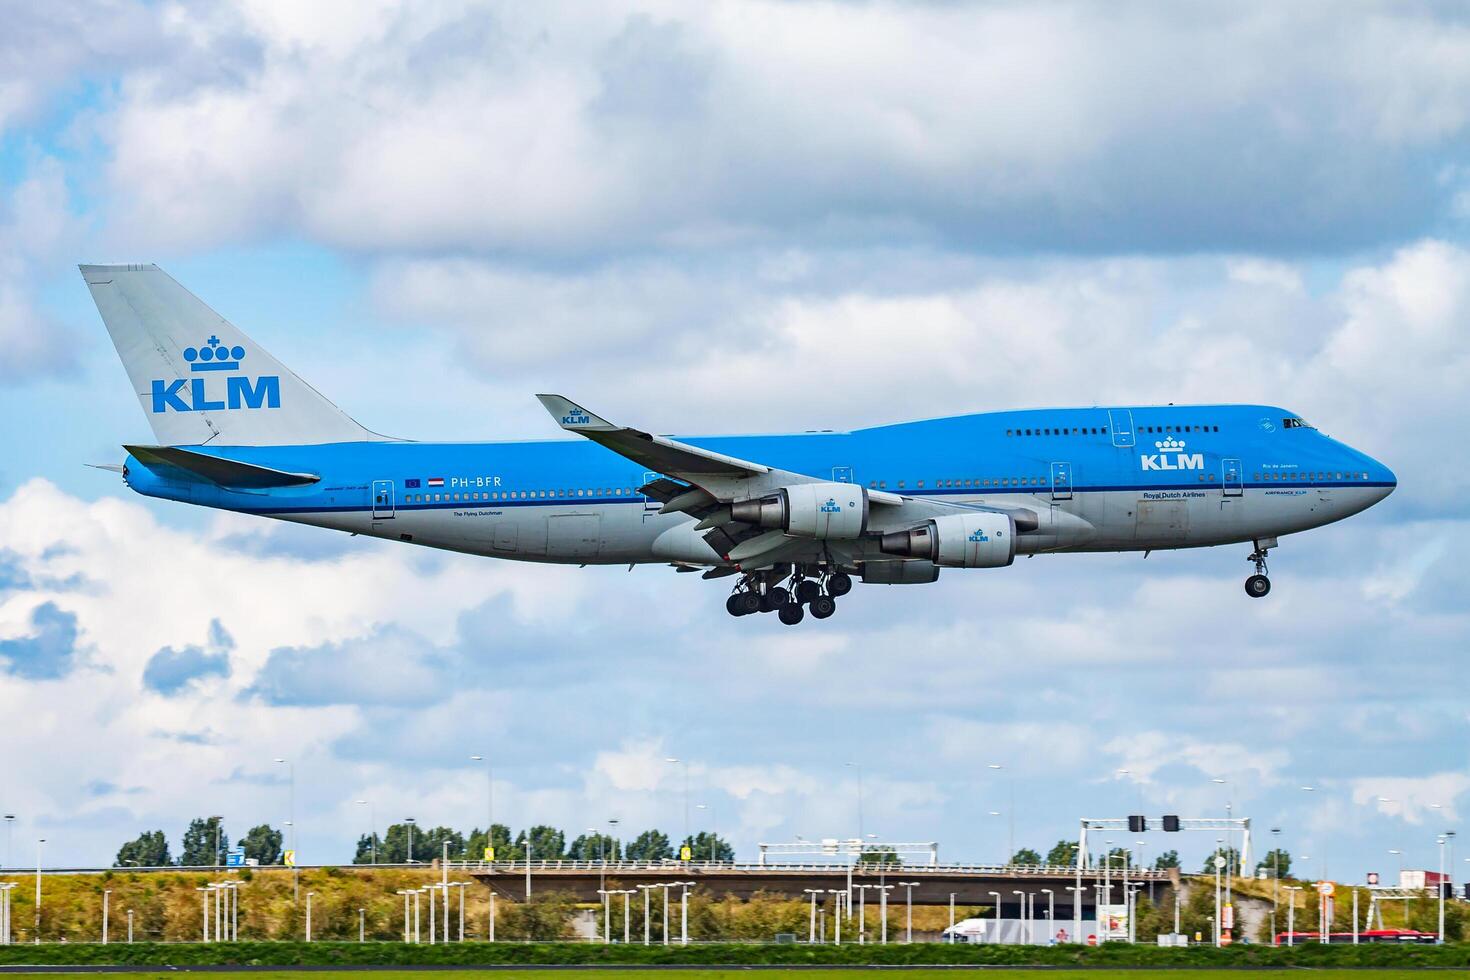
x=839, y=584
x=823, y=606
x=732, y=604
x=774, y=599
x=807, y=591
x=1257, y=586
x=749, y=602
x=791, y=613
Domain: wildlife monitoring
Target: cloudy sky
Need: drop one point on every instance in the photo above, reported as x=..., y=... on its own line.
x=734, y=217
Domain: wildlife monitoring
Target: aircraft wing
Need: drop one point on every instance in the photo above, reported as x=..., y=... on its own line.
x=703, y=483
x=656, y=453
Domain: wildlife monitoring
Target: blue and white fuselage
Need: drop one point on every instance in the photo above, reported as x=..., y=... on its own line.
x=893, y=503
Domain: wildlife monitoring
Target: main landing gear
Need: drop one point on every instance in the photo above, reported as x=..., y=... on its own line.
x=1258, y=585
x=809, y=589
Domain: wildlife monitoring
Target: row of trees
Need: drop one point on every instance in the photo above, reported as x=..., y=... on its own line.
x=403, y=843
x=205, y=843
x=1276, y=863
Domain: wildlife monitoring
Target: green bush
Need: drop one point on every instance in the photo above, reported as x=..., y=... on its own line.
x=1114, y=955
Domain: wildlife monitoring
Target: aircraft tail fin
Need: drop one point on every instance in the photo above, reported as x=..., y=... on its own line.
x=199, y=378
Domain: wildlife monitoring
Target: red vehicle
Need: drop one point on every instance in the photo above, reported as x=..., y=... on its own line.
x=1367, y=936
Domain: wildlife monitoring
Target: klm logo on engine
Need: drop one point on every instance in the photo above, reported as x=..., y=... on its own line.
x=1171, y=456
x=831, y=507
x=980, y=537
x=198, y=394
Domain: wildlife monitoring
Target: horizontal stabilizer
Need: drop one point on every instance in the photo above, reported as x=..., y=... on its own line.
x=109, y=467
x=224, y=472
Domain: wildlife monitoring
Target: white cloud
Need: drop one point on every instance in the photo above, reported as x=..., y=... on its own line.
x=564, y=130
x=1413, y=799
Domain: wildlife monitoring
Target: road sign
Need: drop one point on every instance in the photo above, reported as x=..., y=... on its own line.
x=1227, y=917
x=1373, y=877
x=290, y=859
x=489, y=854
x=234, y=859
x=1325, y=888
x=686, y=852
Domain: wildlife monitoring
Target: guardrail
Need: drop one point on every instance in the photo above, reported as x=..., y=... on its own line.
x=613, y=867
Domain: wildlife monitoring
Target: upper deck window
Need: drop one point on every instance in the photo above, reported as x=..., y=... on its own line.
x=1296, y=423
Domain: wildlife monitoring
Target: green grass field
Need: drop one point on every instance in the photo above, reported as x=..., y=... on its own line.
x=684, y=974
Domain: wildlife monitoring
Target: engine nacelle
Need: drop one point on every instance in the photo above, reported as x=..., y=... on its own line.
x=900, y=572
x=980, y=540
x=811, y=510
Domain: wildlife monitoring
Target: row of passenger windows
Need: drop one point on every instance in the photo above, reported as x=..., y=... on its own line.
x=1000, y=481
x=424, y=498
x=1083, y=431
x=1103, y=430
x=1296, y=477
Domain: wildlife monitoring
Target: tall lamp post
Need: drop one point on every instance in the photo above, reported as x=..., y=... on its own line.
x=685, y=765
x=489, y=795
x=997, y=915
x=1011, y=810
x=909, y=887
x=859, y=768
x=714, y=832
x=1291, y=915
x=372, y=828
x=39, y=842
x=291, y=805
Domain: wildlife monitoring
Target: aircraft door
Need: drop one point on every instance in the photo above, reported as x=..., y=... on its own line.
x=842, y=474
x=1231, y=478
x=1120, y=425
x=1061, y=481
x=382, y=499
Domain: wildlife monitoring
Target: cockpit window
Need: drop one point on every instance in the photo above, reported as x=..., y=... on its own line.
x=1295, y=423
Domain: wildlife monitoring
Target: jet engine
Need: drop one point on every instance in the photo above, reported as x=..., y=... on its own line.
x=980, y=540
x=811, y=510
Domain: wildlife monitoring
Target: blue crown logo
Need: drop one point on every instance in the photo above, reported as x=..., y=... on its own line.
x=979, y=537
x=214, y=357
x=831, y=507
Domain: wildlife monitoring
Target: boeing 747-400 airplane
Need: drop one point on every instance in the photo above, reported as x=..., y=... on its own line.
x=791, y=518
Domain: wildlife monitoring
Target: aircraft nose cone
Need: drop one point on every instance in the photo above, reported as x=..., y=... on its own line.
x=1384, y=479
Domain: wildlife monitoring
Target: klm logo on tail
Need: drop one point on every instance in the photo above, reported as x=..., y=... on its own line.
x=1171, y=456
x=576, y=416
x=195, y=395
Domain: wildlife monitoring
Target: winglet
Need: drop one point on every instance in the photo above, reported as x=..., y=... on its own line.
x=572, y=417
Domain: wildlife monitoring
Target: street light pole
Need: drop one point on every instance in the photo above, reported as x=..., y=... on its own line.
x=1051, y=909
x=908, y=887
x=1291, y=915
x=997, y=915
x=39, y=842
x=685, y=765
x=489, y=795
x=1011, y=815
x=308, y=915
x=372, y=828
x=1025, y=922
x=295, y=858
x=107, y=893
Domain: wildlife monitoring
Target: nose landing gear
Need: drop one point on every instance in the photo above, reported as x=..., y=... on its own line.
x=1258, y=585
